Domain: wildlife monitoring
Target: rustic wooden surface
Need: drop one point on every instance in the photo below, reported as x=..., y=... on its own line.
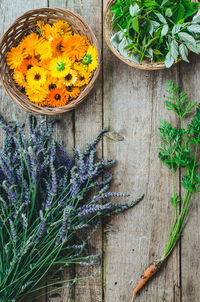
x=130, y=103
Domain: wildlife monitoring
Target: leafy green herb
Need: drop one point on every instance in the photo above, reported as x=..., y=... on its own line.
x=179, y=150
x=162, y=31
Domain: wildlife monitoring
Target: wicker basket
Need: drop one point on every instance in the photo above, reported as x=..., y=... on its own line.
x=16, y=32
x=108, y=33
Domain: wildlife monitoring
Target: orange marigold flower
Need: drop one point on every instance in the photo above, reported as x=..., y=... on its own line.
x=86, y=40
x=28, y=64
x=19, y=78
x=45, y=63
x=50, y=32
x=44, y=49
x=57, y=46
x=75, y=47
x=15, y=57
x=72, y=91
x=29, y=44
x=56, y=98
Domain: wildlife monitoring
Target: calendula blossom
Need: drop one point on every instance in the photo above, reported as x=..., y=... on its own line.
x=52, y=63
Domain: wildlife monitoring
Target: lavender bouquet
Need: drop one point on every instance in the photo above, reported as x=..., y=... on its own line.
x=46, y=205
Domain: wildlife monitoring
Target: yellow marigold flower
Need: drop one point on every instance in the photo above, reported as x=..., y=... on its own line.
x=37, y=96
x=57, y=98
x=70, y=78
x=28, y=64
x=44, y=49
x=36, y=77
x=90, y=59
x=72, y=91
x=60, y=67
x=83, y=79
x=19, y=78
x=29, y=44
x=50, y=32
x=62, y=28
x=80, y=67
x=51, y=83
x=57, y=46
x=75, y=47
x=15, y=57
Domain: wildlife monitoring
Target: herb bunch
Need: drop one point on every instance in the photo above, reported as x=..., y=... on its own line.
x=47, y=211
x=179, y=151
x=160, y=30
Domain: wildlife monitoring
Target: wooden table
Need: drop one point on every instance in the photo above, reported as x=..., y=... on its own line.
x=131, y=103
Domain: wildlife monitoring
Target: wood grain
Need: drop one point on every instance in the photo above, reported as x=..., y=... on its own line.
x=88, y=122
x=133, y=107
x=9, y=11
x=89, y=113
x=190, y=247
x=131, y=103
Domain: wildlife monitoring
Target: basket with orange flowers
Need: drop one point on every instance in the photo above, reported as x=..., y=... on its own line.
x=49, y=61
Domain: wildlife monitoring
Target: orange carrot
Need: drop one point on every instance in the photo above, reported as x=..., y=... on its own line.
x=149, y=272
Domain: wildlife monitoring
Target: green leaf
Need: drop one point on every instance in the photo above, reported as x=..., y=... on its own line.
x=161, y=18
x=176, y=29
x=150, y=53
x=175, y=199
x=157, y=52
x=191, y=13
x=195, y=28
x=165, y=30
x=193, y=48
x=183, y=52
x=169, y=60
x=150, y=4
x=179, y=13
x=116, y=39
x=135, y=24
x=174, y=49
x=196, y=18
x=164, y=2
x=135, y=58
x=134, y=9
x=168, y=12
x=187, y=38
x=187, y=4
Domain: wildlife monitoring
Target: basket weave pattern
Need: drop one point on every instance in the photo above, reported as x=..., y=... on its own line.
x=108, y=33
x=25, y=24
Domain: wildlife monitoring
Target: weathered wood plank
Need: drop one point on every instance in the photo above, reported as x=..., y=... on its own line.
x=9, y=11
x=89, y=113
x=190, y=247
x=88, y=122
x=133, y=107
x=64, y=131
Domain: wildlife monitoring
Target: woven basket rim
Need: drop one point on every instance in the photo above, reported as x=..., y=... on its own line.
x=29, y=106
x=146, y=65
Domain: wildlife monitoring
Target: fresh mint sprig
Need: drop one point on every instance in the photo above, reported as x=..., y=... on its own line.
x=161, y=31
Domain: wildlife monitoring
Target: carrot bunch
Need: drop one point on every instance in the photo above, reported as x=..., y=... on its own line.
x=179, y=150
